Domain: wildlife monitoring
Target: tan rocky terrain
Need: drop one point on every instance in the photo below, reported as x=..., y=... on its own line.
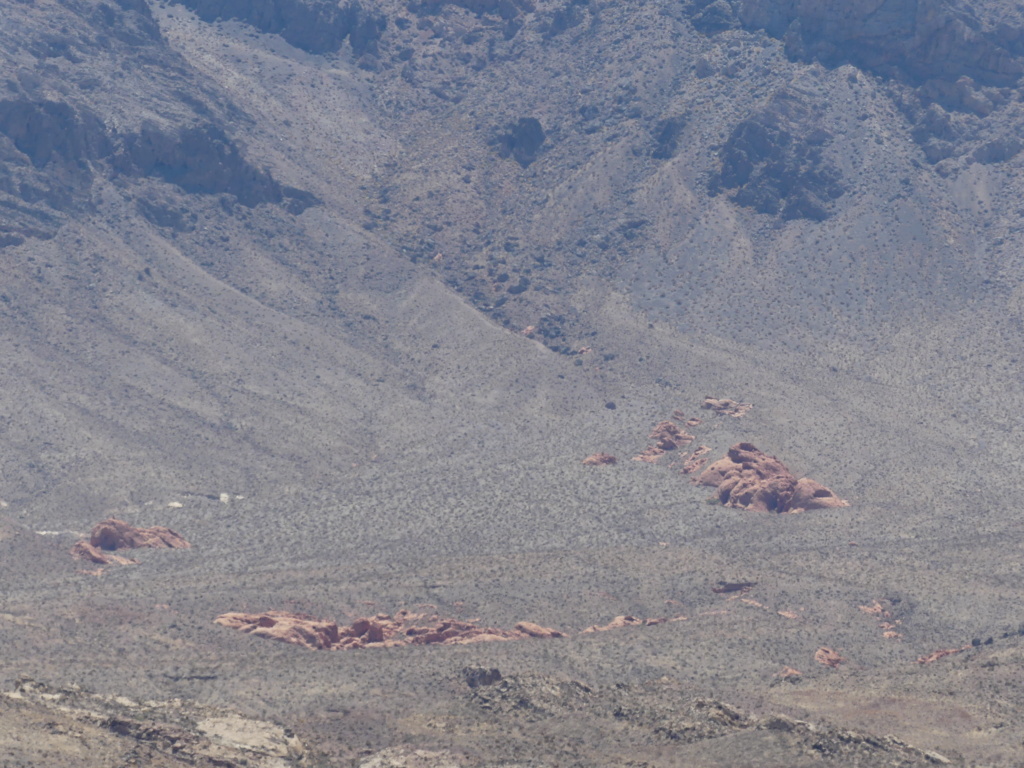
x=345, y=292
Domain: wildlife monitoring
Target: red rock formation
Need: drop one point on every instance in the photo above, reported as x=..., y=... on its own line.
x=616, y=623
x=940, y=654
x=83, y=550
x=750, y=479
x=536, y=630
x=883, y=615
x=286, y=627
x=828, y=657
x=726, y=407
x=598, y=459
x=667, y=436
x=113, y=534
x=696, y=460
x=788, y=673
x=630, y=621
x=380, y=631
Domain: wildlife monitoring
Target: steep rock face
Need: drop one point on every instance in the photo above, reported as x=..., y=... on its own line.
x=113, y=534
x=312, y=25
x=94, y=123
x=750, y=479
x=54, y=150
x=204, y=159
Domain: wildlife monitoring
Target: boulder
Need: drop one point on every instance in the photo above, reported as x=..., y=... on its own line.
x=940, y=654
x=83, y=550
x=667, y=436
x=293, y=628
x=598, y=459
x=750, y=479
x=113, y=534
x=536, y=630
x=726, y=407
x=828, y=657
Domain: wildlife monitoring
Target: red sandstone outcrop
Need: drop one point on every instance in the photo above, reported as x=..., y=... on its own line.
x=696, y=460
x=536, y=630
x=828, y=657
x=726, y=407
x=940, y=654
x=597, y=459
x=750, y=479
x=667, y=436
x=380, y=631
x=630, y=621
x=113, y=534
x=286, y=627
x=886, y=622
x=83, y=550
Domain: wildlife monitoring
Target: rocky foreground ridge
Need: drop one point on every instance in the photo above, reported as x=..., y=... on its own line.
x=115, y=730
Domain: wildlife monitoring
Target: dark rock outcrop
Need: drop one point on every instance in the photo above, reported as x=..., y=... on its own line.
x=522, y=141
x=506, y=9
x=204, y=159
x=52, y=152
x=315, y=26
x=914, y=40
x=750, y=479
x=773, y=161
x=667, y=134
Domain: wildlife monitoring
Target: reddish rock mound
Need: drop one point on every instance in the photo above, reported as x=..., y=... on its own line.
x=113, y=534
x=598, y=459
x=941, y=654
x=828, y=657
x=83, y=550
x=726, y=407
x=380, y=631
x=667, y=436
x=750, y=479
x=630, y=621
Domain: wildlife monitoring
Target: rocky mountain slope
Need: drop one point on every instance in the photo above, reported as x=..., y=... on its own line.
x=344, y=293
